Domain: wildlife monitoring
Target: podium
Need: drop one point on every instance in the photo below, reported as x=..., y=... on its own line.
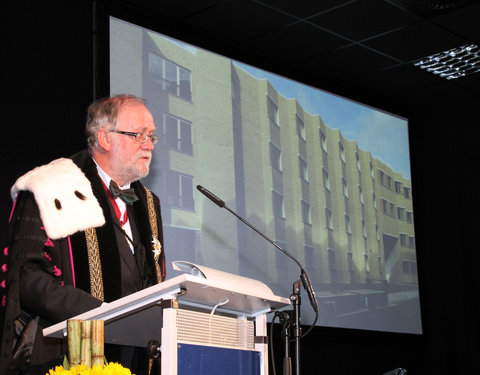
x=207, y=321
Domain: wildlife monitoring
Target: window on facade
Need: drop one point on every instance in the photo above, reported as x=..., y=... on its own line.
x=358, y=161
x=300, y=127
x=179, y=188
x=348, y=225
x=278, y=206
x=326, y=179
x=385, y=179
x=360, y=192
x=272, y=110
x=176, y=132
x=403, y=239
x=323, y=140
x=398, y=187
x=345, y=187
x=411, y=242
x=364, y=229
x=342, y=152
x=306, y=217
x=409, y=267
x=275, y=157
x=406, y=193
x=409, y=215
x=169, y=76
x=401, y=213
x=367, y=263
x=302, y=165
x=388, y=208
x=329, y=219
x=351, y=266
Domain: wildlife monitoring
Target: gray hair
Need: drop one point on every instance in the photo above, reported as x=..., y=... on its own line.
x=103, y=114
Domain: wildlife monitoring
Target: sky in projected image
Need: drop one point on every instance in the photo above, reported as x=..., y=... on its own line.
x=381, y=133
x=384, y=134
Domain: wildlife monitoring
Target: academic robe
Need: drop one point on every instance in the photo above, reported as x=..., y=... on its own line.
x=52, y=274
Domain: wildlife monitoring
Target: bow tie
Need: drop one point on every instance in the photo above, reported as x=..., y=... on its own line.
x=126, y=195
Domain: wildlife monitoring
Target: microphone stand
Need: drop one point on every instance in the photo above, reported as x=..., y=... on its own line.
x=304, y=279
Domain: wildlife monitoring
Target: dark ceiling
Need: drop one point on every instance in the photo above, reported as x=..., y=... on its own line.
x=360, y=49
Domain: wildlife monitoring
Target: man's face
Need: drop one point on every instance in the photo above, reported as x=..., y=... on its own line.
x=130, y=159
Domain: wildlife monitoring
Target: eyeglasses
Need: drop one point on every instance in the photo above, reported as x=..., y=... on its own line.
x=140, y=137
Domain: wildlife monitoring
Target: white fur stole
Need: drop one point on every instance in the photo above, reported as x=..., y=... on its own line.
x=64, y=197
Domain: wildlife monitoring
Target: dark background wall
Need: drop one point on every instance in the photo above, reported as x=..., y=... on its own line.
x=48, y=81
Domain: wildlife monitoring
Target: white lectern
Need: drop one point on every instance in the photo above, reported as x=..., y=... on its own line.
x=207, y=321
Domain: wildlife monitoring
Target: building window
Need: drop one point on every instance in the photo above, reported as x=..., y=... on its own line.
x=360, y=192
x=300, y=127
x=278, y=206
x=364, y=229
x=407, y=193
x=302, y=165
x=409, y=267
x=367, y=263
x=409, y=215
x=329, y=219
x=404, y=239
x=388, y=208
x=326, y=179
x=358, y=162
x=411, y=242
x=171, y=77
x=179, y=188
x=374, y=197
x=342, y=152
x=398, y=187
x=306, y=217
x=348, y=225
x=351, y=266
x=401, y=213
x=345, y=187
x=323, y=140
x=275, y=157
x=272, y=111
x=176, y=132
x=385, y=179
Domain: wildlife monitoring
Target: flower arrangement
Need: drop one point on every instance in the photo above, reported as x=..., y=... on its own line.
x=85, y=351
x=111, y=368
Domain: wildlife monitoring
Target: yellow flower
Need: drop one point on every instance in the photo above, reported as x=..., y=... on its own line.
x=111, y=368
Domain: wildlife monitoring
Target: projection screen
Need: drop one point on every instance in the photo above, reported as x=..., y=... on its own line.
x=326, y=178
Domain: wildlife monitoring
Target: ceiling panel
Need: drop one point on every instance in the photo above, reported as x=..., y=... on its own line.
x=348, y=47
x=240, y=20
x=361, y=20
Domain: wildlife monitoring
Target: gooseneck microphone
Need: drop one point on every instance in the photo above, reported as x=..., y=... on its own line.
x=211, y=196
x=303, y=275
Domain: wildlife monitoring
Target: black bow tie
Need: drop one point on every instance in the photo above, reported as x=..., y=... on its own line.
x=126, y=195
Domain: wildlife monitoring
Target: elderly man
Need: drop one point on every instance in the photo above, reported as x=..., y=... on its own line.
x=83, y=231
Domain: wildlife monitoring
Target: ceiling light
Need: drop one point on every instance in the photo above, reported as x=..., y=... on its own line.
x=454, y=63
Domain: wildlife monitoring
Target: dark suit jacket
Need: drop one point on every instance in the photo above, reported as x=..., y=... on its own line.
x=43, y=279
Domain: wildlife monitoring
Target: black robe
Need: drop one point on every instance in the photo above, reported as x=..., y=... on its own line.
x=50, y=288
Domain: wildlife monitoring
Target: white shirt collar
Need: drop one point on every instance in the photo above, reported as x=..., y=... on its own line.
x=105, y=177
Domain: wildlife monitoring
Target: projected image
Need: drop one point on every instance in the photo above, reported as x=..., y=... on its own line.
x=326, y=178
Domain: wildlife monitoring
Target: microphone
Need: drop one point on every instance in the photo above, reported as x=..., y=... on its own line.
x=211, y=196
x=307, y=284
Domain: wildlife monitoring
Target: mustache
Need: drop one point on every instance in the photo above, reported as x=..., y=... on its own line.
x=144, y=155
